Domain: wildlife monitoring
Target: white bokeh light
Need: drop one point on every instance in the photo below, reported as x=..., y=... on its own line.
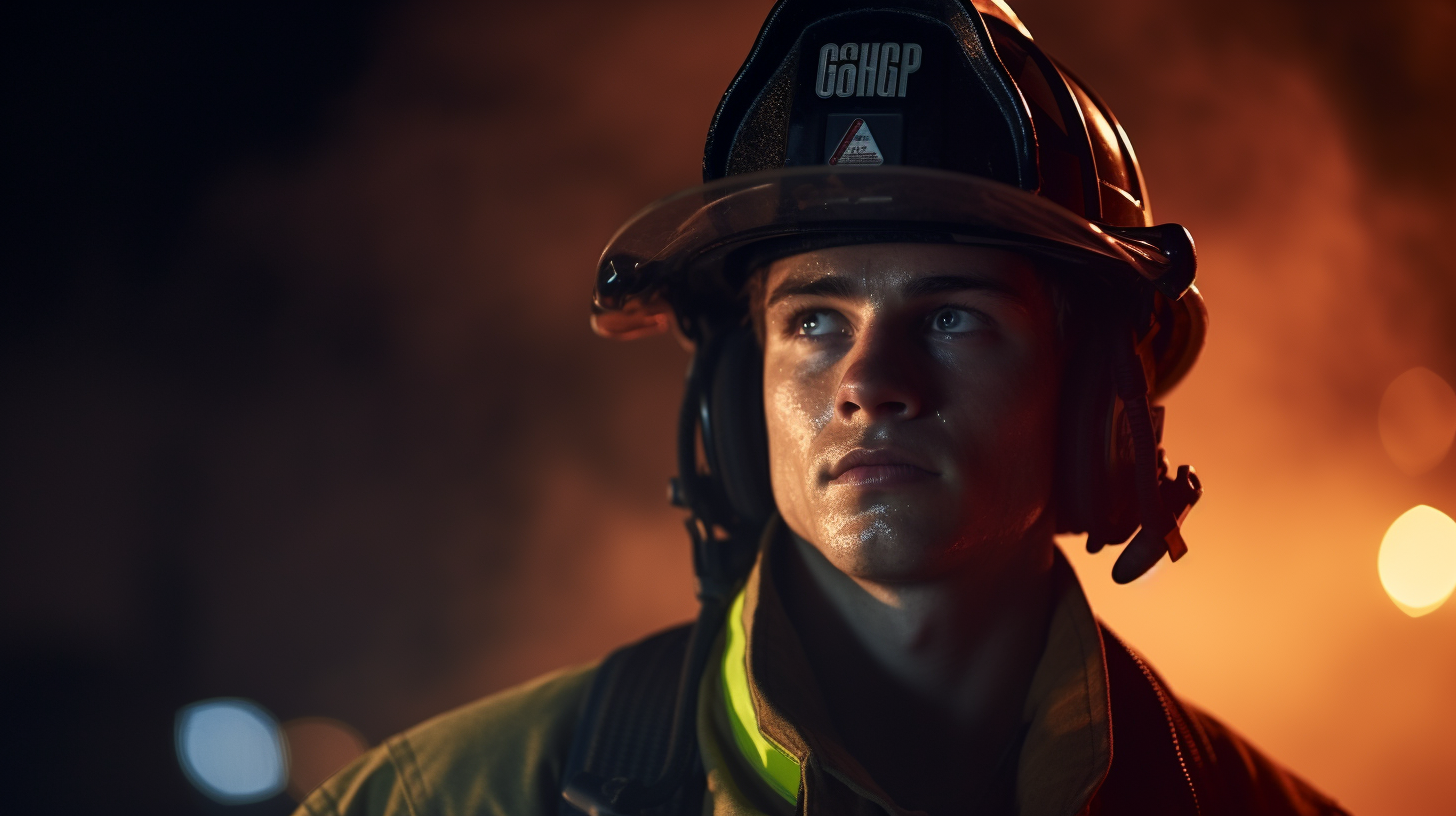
x=1417, y=560
x=232, y=750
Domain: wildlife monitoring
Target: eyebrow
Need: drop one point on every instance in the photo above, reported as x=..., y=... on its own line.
x=832, y=285
x=824, y=286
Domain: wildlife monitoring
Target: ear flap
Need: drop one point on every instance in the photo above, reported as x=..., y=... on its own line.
x=739, y=435
x=1094, y=489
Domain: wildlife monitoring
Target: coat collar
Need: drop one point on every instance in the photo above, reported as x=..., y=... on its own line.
x=768, y=722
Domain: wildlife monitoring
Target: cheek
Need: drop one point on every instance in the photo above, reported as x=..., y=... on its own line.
x=796, y=415
x=1038, y=389
x=1006, y=412
x=797, y=407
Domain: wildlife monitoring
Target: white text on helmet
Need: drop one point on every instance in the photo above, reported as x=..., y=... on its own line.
x=866, y=69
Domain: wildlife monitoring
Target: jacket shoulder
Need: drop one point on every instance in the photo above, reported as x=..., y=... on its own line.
x=499, y=755
x=1169, y=752
x=1247, y=780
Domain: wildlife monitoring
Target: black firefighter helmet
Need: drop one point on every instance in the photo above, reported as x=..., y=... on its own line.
x=916, y=120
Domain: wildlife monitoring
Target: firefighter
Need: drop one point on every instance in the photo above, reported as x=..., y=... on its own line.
x=931, y=317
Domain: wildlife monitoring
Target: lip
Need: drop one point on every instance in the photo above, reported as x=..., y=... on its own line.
x=886, y=467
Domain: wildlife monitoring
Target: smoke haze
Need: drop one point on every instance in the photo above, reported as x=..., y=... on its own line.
x=337, y=437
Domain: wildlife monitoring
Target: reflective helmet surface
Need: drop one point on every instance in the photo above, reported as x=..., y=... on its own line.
x=931, y=119
x=919, y=120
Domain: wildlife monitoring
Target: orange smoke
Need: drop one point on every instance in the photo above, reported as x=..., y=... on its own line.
x=491, y=152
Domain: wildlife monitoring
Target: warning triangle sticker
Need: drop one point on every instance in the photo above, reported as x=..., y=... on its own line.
x=857, y=148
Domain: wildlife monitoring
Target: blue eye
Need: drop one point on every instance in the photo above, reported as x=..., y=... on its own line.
x=955, y=321
x=818, y=324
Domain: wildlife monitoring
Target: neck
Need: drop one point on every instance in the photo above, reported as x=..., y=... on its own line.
x=942, y=663
x=963, y=639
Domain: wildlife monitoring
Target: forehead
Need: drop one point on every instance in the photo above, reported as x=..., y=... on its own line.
x=872, y=270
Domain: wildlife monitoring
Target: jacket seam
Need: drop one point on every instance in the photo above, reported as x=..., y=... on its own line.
x=410, y=777
x=1089, y=786
x=330, y=800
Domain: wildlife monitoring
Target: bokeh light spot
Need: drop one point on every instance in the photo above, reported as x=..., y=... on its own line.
x=1418, y=420
x=1418, y=560
x=317, y=748
x=231, y=750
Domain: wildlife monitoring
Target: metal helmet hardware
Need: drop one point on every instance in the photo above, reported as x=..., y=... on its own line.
x=907, y=120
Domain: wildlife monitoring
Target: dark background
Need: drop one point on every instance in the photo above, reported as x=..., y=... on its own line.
x=299, y=401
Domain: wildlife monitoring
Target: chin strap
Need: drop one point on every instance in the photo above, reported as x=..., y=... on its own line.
x=724, y=550
x=1163, y=503
x=655, y=789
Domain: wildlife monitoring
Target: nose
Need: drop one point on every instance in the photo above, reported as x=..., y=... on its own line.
x=882, y=380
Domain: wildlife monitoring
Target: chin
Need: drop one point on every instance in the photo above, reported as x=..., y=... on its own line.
x=889, y=546
x=904, y=541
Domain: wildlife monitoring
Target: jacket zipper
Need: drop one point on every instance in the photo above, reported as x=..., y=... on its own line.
x=1172, y=727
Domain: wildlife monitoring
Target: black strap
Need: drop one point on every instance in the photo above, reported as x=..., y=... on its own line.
x=625, y=732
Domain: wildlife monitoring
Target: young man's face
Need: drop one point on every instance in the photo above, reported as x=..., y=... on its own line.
x=911, y=398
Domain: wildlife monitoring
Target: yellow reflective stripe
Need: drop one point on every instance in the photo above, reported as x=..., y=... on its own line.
x=773, y=763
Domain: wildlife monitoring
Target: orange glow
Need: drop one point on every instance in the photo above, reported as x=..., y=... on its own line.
x=528, y=472
x=317, y=747
x=1418, y=420
x=1418, y=560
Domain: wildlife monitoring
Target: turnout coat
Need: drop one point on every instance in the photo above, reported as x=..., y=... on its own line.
x=1102, y=735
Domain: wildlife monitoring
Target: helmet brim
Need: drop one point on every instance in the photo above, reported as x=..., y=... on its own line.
x=680, y=244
